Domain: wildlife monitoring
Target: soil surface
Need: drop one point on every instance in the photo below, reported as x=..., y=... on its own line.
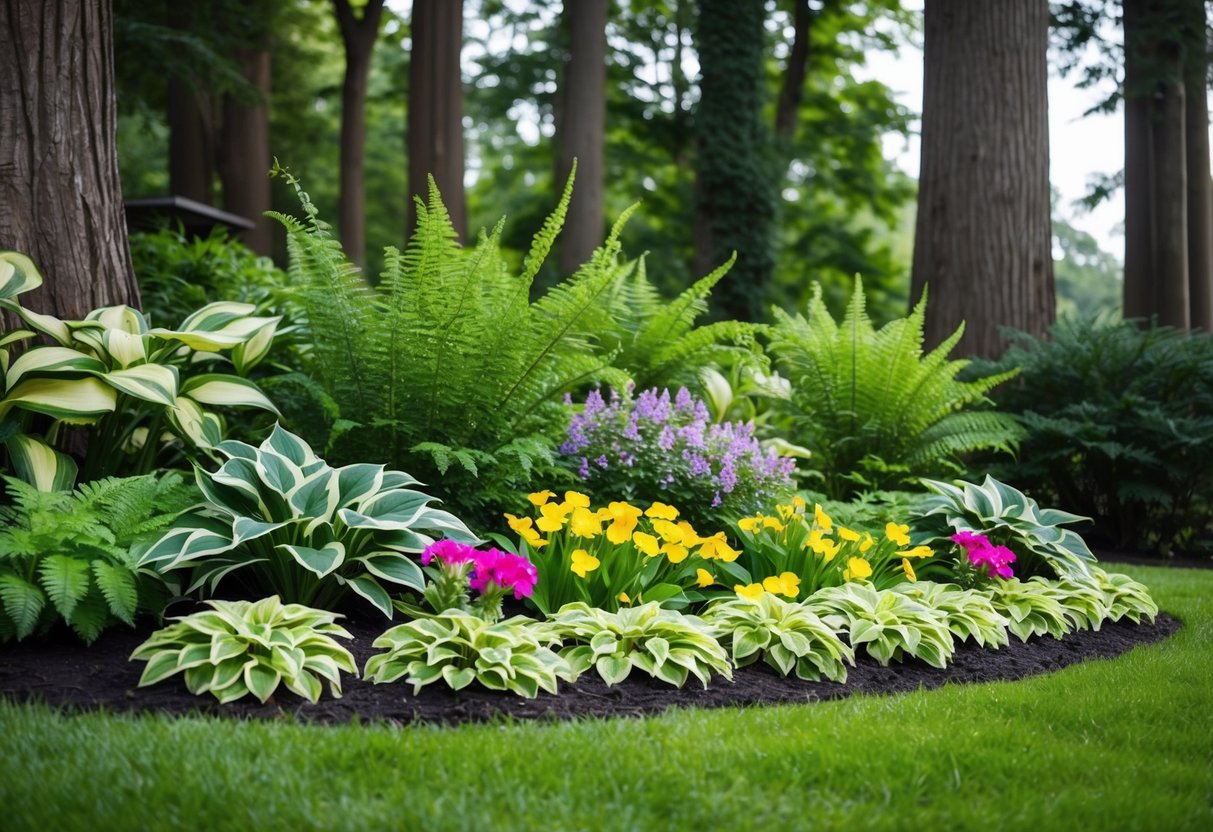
x=62, y=672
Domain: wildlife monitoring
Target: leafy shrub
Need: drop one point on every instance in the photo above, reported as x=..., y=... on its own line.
x=128, y=382
x=1119, y=428
x=1123, y=596
x=1030, y=607
x=786, y=636
x=240, y=647
x=67, y=554
x=1007, y=517
x=649, y=447
x=286, y=523
x=969, y=613
x=617, y=554
x=876, y=412
x=1082, y=600
x=460, y=648
x=889, y=625
x=666, y=644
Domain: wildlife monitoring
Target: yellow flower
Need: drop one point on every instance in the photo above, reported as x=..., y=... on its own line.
x=670, y=532
x=785, y=511
x=689, y=536
x=585, y=523
x=676, y=552
x=752, y=591
x=624, y=598
x=849, y=535
x=540, y=497
x=584, y=562
x=899, y=534
x=624, y=519
x=750, y=524
x=798, y=503
x=575, y=499
x=662, y=512
x=646, y=543
x=772, y=523
x=923, y=551
x=822, y=518
x=532, y=537
x=821, y=545
x=857, y=569
x=868, y=543
x=717, y=547
x=552, y=516
x=786, y=583
x=519, y=523
x=909, y=570
x=704, y=578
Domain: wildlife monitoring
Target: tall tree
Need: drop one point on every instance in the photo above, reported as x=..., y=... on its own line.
x=435, y=112
x=791, y=90
x=358, y=34
x=244, y=152
x=735, y=204
x=61, y=197
x=580, y=129
x=1199, y=184
x=982, y=240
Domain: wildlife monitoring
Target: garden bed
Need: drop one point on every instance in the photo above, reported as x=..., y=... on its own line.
x=64, y=673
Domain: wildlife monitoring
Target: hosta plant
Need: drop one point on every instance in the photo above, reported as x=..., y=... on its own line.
x=666, y=644
x=1030, y=608
x=1123, y=596
x=1084, y=603
x=785, y=635
x=460, y=648
x=66, y=555
x=968, y=612
x=241, y=647
x=888, y=624
x=284, y=522
x=139, y=390
x=1008, y=517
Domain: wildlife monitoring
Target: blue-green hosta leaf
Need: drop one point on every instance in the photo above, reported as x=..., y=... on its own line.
x=246, y=529
x=448, y=525
x=286, y=444
x=398, y=509
x=317, y=496
x=18, y=274
x=279, y=473
x=369, y=588
x=23, y=603
x=75, y=401
x=319, y=561
x=232, y=449
x=226, y=390
x=40, y=465
x=214, y=569
x=181, y=545
x=394, y=567
x=65, y=580
x=52, y=361
x=117, y=584
x=236, y=501
x=397, y=479
x=357, y=482
x=154, y=383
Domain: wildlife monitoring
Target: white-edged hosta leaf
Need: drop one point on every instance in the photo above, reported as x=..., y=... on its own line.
x=65, y=581
x=154, y=383
x=40, y=465
x=398, y=479
x=216, y=316
x=47, y=325
x=284, y=443
x=368, y=587
x=226, y=390
x=320, y=561
x=23, y=603
x=246, y=529
x=184, y=544
x=232, y=449
x=117, y=584
x=76, y=401
x=394, y=567
x=51, y=361
x=316, y=496
x=398, y=509
x=193, y=423
x=18, y=274
x=357, y=482
x=247, y=355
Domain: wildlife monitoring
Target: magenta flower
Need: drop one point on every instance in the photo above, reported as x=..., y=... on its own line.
x=996, y=560
x=503, y=570
x=448, y=552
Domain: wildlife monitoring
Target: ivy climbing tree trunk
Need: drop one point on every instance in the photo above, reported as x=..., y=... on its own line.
x=435, y=111
x=359, y=35
x=244, y=155
x=983, y=239
x=60, y=197
x=735, y=185
x=580, y=129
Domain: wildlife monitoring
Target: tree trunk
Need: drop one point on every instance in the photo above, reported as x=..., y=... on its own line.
x=791, y=93
x=1139, y=234
x=1200, y=189
x=244, y=156
x=435, y=113
x=60, y=197
x=983, y=238
x=358, y=35
x=580, y=130
x=191, y=143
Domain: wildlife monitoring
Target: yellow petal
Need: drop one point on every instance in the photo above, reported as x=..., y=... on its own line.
x=857, y=569
x=704, y=578
x=669, y=532
x=909, y=570
x=585, y=523
x=538, y=498
x=676, y=552
x=868, y=543
x=822, y=518
x=849, y=535
x=576, y=499
x=752, y=591
x=899, y=534
x=647, y=544
x=583, y=562
x=661, y=511
x=624, y=598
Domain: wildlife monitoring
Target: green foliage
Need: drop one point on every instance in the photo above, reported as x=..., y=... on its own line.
x=66, y=555
x=460, y=648
x=289, y=524
x=1030, y=607
x=1124, y=597
x=876, y=412
x=446, y=368
x=1010, y=518
x=666, y=644
x=785, y=635
x=890, y=625
x=969, y=613
x=241, y=647
x=1119, y=428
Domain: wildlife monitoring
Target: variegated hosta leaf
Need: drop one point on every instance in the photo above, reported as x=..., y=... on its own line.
x=247, y=355
x=47, y=325
x=40, y=465
x=75, y=401
x=18, y=274
x=121, y=318
x=192, y=422
x=226, y=390
x=124, y=348
x=219, y=326
x=51, y=362
x=154, y=383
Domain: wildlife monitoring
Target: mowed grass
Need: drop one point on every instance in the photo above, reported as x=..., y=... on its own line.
x=1123, y=744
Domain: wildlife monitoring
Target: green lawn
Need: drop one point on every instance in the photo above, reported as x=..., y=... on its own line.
x=1126, y=744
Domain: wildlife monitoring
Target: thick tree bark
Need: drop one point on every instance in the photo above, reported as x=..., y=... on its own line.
x=359, y=36
x=191, y=143
x=1200, y=189
x=60, y=197
x=435, y=113
x=580, y=130
x=791, y=93
x=244, y=155
x=983, y=236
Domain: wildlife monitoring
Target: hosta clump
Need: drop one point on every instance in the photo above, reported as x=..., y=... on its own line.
x=968, y=612
x=1123, y=596
x=240, y=647
x=287, y=523
x=667, y=645
x=1030, y=609
x=1084, y=604
x=888, y=624
x=460, y=648
x=655, y=446
x=786, y=635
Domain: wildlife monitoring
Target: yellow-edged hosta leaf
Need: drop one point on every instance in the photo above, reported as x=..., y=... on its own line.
x=249, y=354
x=217, y=315
x=40, y=465
x=149, y=382
x=42, y=361
x=204, y=341
x=188, y=417
x=125, y=348
x=17, y=274
x=15, y=336
x=47, y=325
x=122, y=318
x=76, y=401
x=228, y=390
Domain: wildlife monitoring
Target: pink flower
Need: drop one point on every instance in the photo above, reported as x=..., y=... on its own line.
x=504, y=570
x=981, y=552
x=448, y=552
x=969, y=541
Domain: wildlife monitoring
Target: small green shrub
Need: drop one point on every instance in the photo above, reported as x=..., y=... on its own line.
x=1124, y=597
x=969, y=613
x=240, y=647
x=785, y=635
x=888, y=624
x=460, y=648
x=666, y=644
x=1030, y=607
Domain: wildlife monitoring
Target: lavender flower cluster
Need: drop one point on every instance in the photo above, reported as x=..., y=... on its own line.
x=658, y=447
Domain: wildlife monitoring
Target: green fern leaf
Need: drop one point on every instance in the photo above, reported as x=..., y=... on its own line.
x=23, y=603
x=117, y=585
x=65, y=580
x=91, y=617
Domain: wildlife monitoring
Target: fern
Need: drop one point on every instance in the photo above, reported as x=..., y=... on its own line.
x=874, y=410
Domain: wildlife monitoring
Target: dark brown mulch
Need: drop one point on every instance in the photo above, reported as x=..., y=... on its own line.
x=66, y=674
